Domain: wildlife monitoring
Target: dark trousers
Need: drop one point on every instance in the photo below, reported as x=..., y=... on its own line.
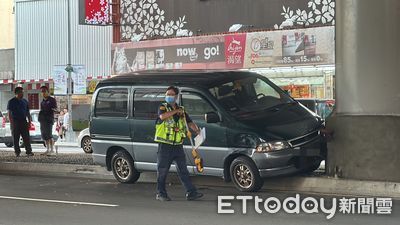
x=165, y=156
x=21, y=128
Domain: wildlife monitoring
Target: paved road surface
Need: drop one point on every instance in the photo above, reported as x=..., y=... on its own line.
x=49, y=200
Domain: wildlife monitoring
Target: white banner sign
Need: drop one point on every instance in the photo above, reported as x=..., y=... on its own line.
x=301, y=47
x=79, y=79
x=60, y=78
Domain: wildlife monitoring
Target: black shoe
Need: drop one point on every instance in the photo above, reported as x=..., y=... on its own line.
x=17, y=154
x=30, y=154
x=163, y=198
x=193, y=196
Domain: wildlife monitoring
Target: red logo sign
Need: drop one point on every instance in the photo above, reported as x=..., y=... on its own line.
x=97, y=12
x=234, y=50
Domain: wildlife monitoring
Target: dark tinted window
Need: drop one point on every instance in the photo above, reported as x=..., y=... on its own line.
x=147, y=102
x=112, y=103
x=195, y=105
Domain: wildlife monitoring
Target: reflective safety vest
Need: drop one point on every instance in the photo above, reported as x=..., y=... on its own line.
x=169, y=131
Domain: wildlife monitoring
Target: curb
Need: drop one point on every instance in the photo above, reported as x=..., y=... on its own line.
x=47, y=169
x=67, y=144
x=312, y=185
x=59, y=145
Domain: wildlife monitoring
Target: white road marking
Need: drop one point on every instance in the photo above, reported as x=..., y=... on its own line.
x=57, y=201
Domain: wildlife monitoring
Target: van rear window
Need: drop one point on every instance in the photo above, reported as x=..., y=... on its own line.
x=112, y=103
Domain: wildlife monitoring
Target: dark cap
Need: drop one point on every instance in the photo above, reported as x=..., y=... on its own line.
x=18, y=90
x=44, y=88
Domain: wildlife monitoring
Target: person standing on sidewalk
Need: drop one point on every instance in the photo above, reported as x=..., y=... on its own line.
x=60, y=124
x=66, y=123
x=46, y=119
x=18, y=112
x=170, y=133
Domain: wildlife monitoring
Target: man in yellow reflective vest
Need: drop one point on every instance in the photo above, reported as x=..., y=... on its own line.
x=170, y=134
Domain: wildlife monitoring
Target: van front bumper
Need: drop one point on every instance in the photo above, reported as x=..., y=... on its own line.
x=288, y=161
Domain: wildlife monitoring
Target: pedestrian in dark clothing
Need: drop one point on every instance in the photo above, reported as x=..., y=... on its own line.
x=46, y=119
x=18, y=113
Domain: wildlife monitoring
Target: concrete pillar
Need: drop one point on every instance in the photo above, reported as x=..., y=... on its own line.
x=366, y=142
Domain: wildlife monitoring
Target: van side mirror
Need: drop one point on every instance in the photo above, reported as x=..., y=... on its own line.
x=212, y=117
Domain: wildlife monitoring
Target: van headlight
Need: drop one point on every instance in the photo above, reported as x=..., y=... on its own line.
x=272, y=146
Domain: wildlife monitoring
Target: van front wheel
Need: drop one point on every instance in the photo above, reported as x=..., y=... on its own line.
x=123, y=169
x=245, y=175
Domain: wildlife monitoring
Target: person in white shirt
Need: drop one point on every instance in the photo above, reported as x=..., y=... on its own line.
x=60, y=128
x=66, y=122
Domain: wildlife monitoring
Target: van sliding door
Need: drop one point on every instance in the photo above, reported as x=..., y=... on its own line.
x=145, y=112
x=109, y=125
x=213, y=150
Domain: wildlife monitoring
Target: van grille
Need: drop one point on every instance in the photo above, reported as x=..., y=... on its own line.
x=299, y=141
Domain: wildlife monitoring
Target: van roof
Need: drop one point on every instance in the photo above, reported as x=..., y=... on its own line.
x=168, y=77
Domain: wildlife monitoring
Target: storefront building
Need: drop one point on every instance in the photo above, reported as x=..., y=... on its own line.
x=292, y=42
x=289, y=41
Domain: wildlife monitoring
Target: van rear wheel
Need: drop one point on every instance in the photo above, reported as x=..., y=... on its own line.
x=245, y=175
x=123, y=168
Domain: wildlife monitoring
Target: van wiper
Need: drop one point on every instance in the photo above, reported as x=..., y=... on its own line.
x=278, y=107
x=272, y=109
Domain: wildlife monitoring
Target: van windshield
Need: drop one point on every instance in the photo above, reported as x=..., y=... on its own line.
x=252, y=95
